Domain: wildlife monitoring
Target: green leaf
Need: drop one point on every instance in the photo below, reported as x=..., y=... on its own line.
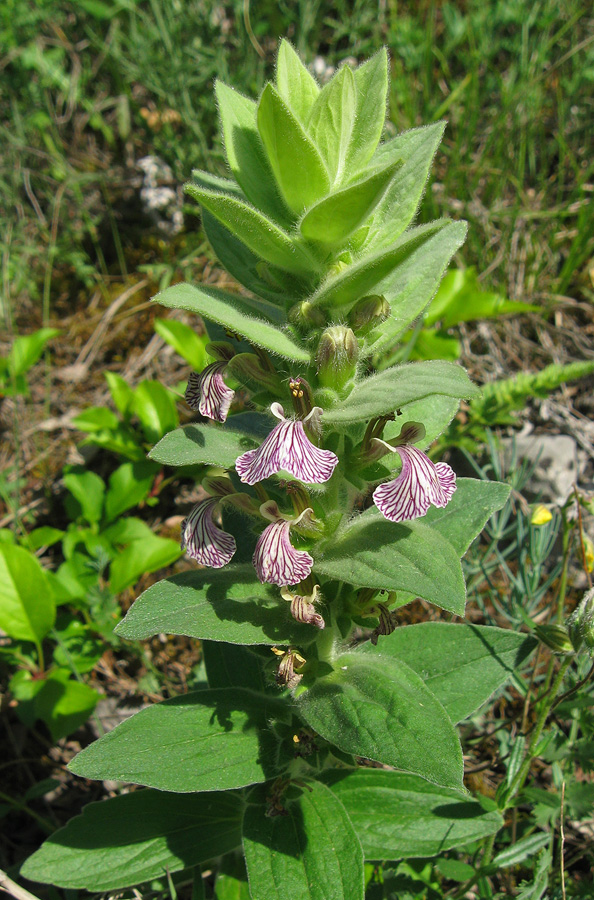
x=294, y=83
x=248, y=269
x=258, y=233
x=226, y=604
x=27, y=349
x=411, y=557
x=400, y=816
x=371, y=270
x=27, y=610
x=381, y=709
x=195, y=444
x=232, y=312
x=461, y=298
x=417, y=149
x=88, y=490
x=229, y=888
x=96, y=418
x=311, y=853
x=231, y=665
x=297, y=165
x=332, y=119
x=184, y=341
x=144, y=552
x=334, y=219
x=76, y=645
x=155, y=407
x=435, y=412
x=462, y=665
x=387, y=391
x=136, y=837
x=64, y=704
x=245, y=153
x=521, y=850
x=46, y=536
x=371, y=81
x=216, y=183
x=201, y=741
x=469, y=510
x=121, y=392
x=128, y=485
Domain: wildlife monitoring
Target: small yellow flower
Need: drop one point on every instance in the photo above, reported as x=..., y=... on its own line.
x=541, y=515
x=588, y=553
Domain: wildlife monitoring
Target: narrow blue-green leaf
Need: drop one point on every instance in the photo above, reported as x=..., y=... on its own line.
x=463, y=665
x=233, y=312
x=245, y=153
x=372, y=269
x=297, y=165
x=396, y=211
x=207, y=740
x=332, y=119
x=401, y=816
x=226, y=604
x=408, y=557
x=311, y=853
x=371, y=81
x=334, y=219
x=259, y=234
x=136, y=837
x=379, y=708
x=295, y=84
x=469, y=510
x=387, y=391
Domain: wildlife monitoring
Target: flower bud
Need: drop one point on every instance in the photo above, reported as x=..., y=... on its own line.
x=580, y=624
x=288, y=674
x=368, y=312
x=588, y=553
x=337, y=355
x=305, y=315
x=248, y=369
x=220, y=350
x=556, y=637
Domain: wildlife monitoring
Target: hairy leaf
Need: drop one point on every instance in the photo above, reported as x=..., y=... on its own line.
x=295, y=84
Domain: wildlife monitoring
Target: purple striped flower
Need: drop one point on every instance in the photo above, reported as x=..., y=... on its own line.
x=420, y=484
x=208, y=394
x=275, y=559
x=202, y=540
x=287, y=449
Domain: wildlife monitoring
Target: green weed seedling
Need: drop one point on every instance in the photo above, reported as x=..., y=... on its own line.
x=26, y=350
x=324, y=759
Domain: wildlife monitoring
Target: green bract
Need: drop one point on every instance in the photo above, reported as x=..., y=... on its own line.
x=321, y=516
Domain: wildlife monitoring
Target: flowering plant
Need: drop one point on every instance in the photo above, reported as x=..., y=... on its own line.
x=323, y=515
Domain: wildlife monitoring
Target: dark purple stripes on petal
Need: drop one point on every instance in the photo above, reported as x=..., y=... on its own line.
x=420, y=484
x=208, y=394
x=275, y=559
x=203, y=541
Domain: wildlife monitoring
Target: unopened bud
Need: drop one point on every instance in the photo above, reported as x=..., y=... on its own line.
x=248, y=369
x=302, y=607
x=368, y=312
x=588, y=553
x=220, y=350
x=556, y=637
x=218, y=486
x=287, y=674
x=580, y=624
x=388, y=622
x=337, y=355
x=305, y=315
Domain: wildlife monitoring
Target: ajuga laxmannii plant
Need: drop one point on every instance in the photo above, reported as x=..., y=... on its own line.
x=323, y=515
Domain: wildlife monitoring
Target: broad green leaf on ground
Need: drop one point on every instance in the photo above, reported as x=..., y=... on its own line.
x=371, y=81
x=56, y=699
x=128, y=485
x=409, y=287
x=88, y=489
x=382, y=710
x=245, y=153
x=296, y=162
x=295, y=84
x=469, y=510
x=248, y=269
x=209, y=740
x=226, y=604
x=311, y=853
x=136, y=837
x=334, y=219
x=408, y=557
x=27, y=610
x=332, y=120
x=461, y=298
x=144, y=552
x=463, y=665
x=121, y=392
x=234, y=313
x=373, y=269
x=400, y=816
x=27, y=349
x=387, y=391
x=417, y=149
x=184, y=340
x=155, y=407
x=259, y=234
x=227, y=887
